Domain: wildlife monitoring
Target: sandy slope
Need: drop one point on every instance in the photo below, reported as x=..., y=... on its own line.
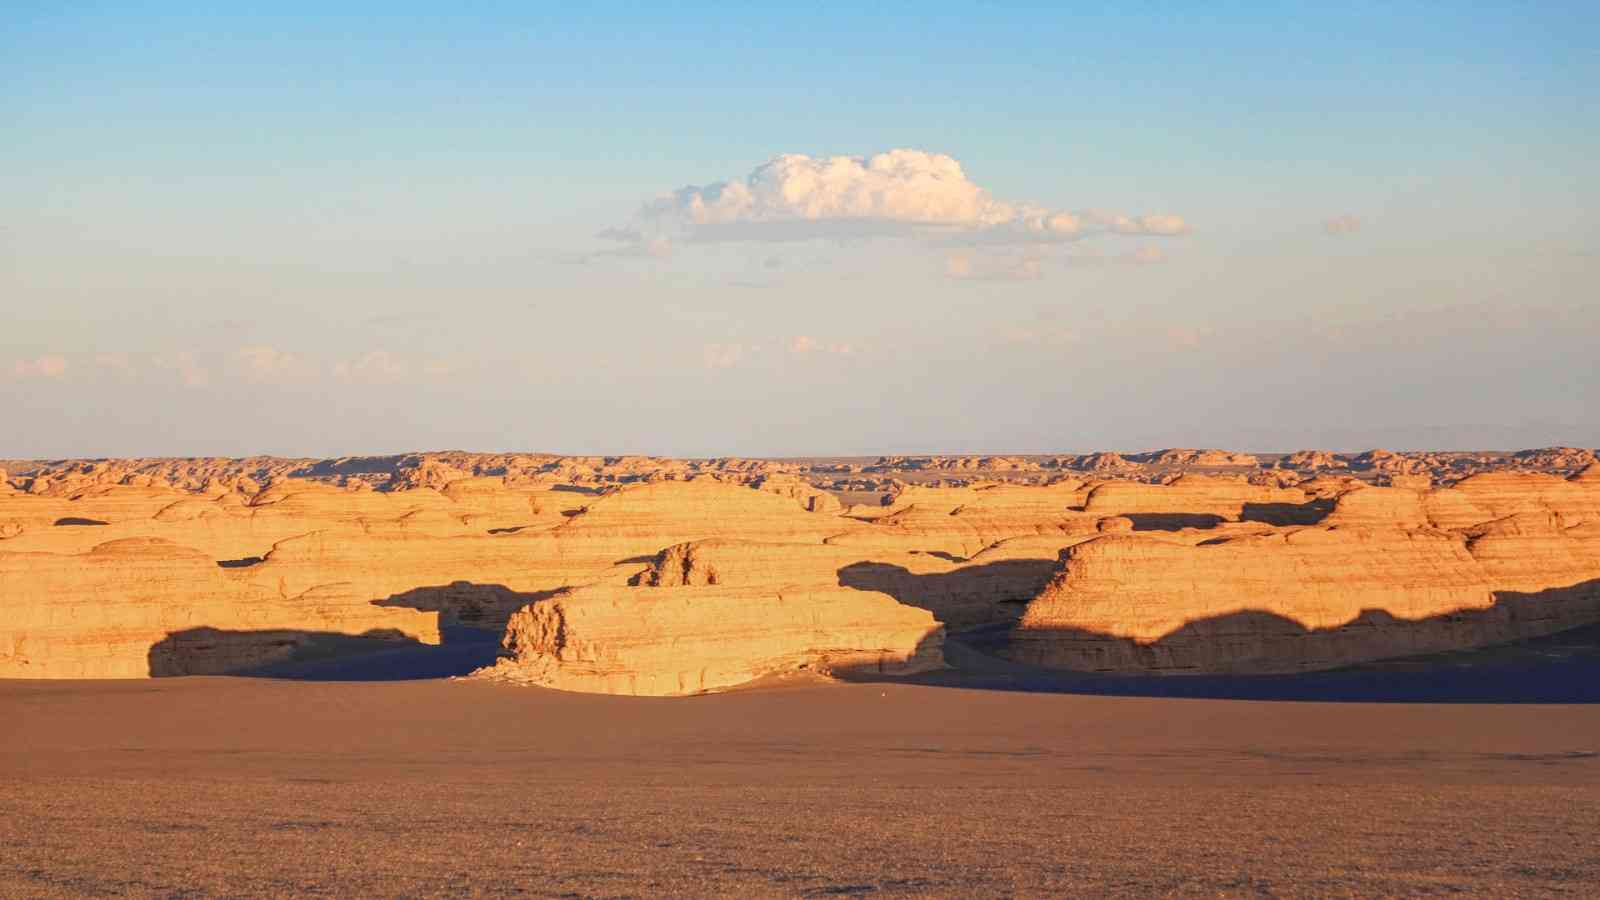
x=238, y=786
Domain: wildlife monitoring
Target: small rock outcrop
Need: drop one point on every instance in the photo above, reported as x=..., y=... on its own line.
x=670, y=641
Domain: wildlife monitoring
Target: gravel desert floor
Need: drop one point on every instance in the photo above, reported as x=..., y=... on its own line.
x=230, y=786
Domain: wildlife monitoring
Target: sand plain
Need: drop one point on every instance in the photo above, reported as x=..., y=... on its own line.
x=999, y=786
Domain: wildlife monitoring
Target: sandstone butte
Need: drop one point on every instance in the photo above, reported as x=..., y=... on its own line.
x=712, y=577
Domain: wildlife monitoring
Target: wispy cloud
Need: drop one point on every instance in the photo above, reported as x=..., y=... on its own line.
x=118, y=364
x=49, y=365
x=1185, y=337
x=630, y=242
x=1041, y=335
x=1144, y=256
x=722, y=356
x=805, y=345
x=1016, y=267
x=1341, y=225
x=269, y=365
x=374, y=367
x=187, y=366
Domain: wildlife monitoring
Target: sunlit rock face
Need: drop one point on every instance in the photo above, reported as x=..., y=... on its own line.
x=124, y=608
x=664, y=641
x=1390, y=572
x=108, y=582
x=637, y=575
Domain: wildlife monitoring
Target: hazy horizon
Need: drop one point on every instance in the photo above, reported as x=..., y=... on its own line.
x=710, y=232
x=1345, y=449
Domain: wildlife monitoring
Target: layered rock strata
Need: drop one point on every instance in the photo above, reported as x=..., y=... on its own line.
x=1390, y=572
x=666, y=641
x=658, y=585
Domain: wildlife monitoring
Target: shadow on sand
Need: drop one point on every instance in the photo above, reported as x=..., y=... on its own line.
x=378, y=655
x=1556, y=667
x=472, y=618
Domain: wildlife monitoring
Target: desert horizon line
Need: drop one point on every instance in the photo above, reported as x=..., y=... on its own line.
x=886, y=454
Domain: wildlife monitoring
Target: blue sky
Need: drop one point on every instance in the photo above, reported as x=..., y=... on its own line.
x=377, y=229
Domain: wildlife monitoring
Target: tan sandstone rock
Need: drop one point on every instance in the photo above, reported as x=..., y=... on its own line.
x=1367, y=586
x=664, y=641
x=130, y=568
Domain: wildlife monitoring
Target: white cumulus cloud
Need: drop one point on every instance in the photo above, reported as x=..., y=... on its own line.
x=795, y=195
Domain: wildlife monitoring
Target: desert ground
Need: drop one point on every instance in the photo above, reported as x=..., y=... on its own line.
x=233, y=786
x=1187, y=672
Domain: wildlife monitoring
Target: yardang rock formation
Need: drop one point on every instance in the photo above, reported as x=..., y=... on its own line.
x=664, y=577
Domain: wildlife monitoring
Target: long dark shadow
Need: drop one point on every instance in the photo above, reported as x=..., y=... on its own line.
x=961, y=598
x=1535, y=647
x=472, y=619
x=304, y=655
x=1558, y=668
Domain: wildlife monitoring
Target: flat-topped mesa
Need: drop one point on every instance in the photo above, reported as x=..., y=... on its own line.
x=1556, y=458
x=1379, y=578
x=136, y=607
x=1313, y=459
x=1183, y=456
x=1388, y=461
x=670, y=641
x=1100, y=462
x=1198, y=501
x=1493, y=495
x=324, y=559
x=959, y=522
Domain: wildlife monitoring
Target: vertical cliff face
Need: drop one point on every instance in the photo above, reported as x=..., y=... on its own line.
x=666, y=641
x=113, y=611
x=120, y=581
x=1382, y=579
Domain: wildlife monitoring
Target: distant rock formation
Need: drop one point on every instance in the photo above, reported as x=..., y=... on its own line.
x=1314, y=459
x=1180, y=456
x=1555, y=458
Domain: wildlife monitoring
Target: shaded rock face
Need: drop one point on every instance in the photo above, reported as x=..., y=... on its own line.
x=731, y=569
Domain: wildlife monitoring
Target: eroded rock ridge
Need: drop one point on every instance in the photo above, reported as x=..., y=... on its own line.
x=648, y=576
